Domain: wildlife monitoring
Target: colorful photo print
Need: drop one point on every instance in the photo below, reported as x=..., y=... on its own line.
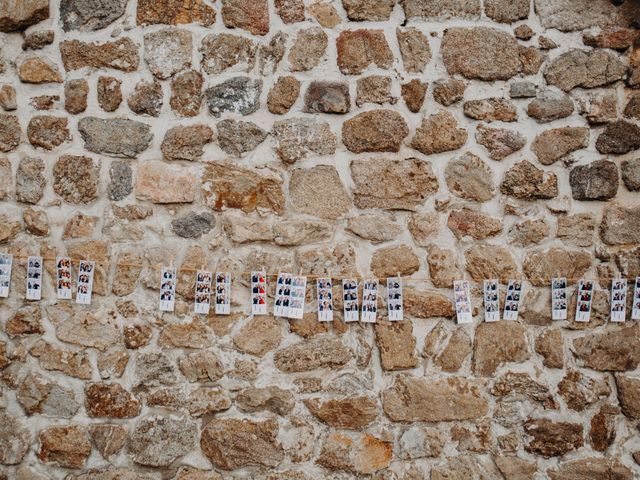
x=559, y=305
x=369, y=301
x=223, y=293
x=585, y=298
x=350, y=299
x=394, y=299
x=6, y=264
x=491, y=301
x=462, y=296
x=167, y=289
x=618, y=300
x=325, y=299
x=202, y=303
x=64, y=282
x=297, y=297
x=635, y=311
x=258, y=293
x=34, y=278
x=84, y=285
x=283, y=295
x=512, y=300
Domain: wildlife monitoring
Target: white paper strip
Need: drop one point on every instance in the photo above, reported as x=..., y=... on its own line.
x=350, y=298
x=64, y=282
x=6, y=263
x=369, y=301
x=258, y=293
x=85, y=282
x=283, y=295
x=583, y=305
x=491, y=301
x=395, y=307
x=34, y=278
x=512, y=302
x=325, y=299
x=635, y=311
x=618, y=300
x=202, y=303
x=559, y=305
x=297, y=297
x=223, y=293
x=463, y=301
x=168, y=289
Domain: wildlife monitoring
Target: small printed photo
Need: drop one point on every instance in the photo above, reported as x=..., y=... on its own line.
x=584, y=306
x=559, y=283
x=618, y=285
x=492, y=286
x=464, y=307
x=34, y=263
x=167, y=275
x=559, y=305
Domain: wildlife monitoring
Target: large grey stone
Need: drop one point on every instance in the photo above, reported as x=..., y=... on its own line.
x=88, y=15
x=117, y=137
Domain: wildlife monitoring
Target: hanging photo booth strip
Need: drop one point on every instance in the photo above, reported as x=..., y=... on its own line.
x=258, y=293
x=85, y=282
x=618, y=300
x=202, y=303
x=462, y=294
x=64, y=281
x=491, y=301
x=167, y=289
x=34, y=278
x=369, y=301
x=6, y=264
x=350, y=299
x=325, y=299
x=585, y=298
x=297, y=297
x=283, y=295
x=635, y=311
x=395, y=307
x=559, y=303
x=223, y=293
x=512, y=301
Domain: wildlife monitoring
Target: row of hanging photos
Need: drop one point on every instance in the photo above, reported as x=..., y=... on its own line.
x=290, y=294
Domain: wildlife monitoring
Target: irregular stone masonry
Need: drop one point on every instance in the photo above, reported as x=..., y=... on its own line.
x=441, y=138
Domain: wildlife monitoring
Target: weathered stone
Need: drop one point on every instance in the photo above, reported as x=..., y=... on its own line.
x=439, y=133
x=109, y=93
x=202, y=366
x=270, y=55
x=36, y=222
x=596, y=181
x=146, y=98
x=173, y=13
x=110, y=400
x=64, y=446
x=448, y=91
x=207, y=401
x=539, y=266
x=420, y=442
x=324, y=13
x=308, y=49
x=83, y=327
x=389, y=261
x=499, y=141
x=75, y=96
x=6, y=176
x=121, y=177
x=614, y=350
x=413, y=94
x=186, y=93
x=477, y=225
x=193, y=225
x=368, y=10
x=507, y=11
x=159, y=441
x=243, y=229
x=569, y=16
x=550, y=105
x=87, y=15
x=155, y=369
x=480, y=53
x=9, y=133
x=358, y=49
x=115, y=137
x=374, y=131
x=48, y=132
x=581, y=68
x=352, y=413
x=580, y=391
x=185, y=335
x=38, y=396
x=109, y=473
x=35, y=69
x=318, y=191
x=522, y=90
x=296, y=138
x=290, y=11
x=237, y=95
x=168, y=51
x=443, y=267
x=517, y=385
x=550, y=346
x=224, y=51
x=374, y=89
x=20, y=15
x=121, y=55
x=551, y=145
x=225, y=186
x=496, y=344
x=75, y=179
x=628, y=395
x=374, y=228
x=74, y=364
x=631, y=173
x=414, y=49
x=108, y=438
x=423, y=226
x=441, y=400
x=591, y=468
x=602, y=433
x=441, y=10
x=9, y=229
x=491, y=109
x=396, y=344
x=186, y=142
x=271, y=399
x=250, y=16
x=14, y=439
x=283, y=94
x=311, y=355
x=27, y=320
x=293, y=233
x=619, y=225
x=470, y=178
x=8, y=100
x=553, y=439
x=600, y=108
x=527, y=182
x=615, y=39
x=160, y=183
x=364, y=454
x=619, y=137
x=232, y=443
x=631, y=110
x=112, y=363
x=327, y=97
x=238, y=137
x=261, y=335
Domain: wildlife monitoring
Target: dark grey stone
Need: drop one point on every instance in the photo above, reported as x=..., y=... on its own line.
x=121, y=180
x=236, y=137
x=619, y=137
x=236, y=95
x=193, y=225
x=117, y=137
x=88, y=15
x=522, y=90
x=631, y=173
x=596, y=181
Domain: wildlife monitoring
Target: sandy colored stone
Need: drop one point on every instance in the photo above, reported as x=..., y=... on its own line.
x=75, y=96
x=613, y=350
x=250, y=16
x=374, y=228
x=327, y=97
x=283, y=94
x=364, y=454
x=358, y=49
x=9, y=229
x=500, y=142
x=496, y=344
x=470, y=178
x=413, y=94
x=290, y=11
x=490, y=261
x=9, y=133
x=173, y=13
x=120, y=54
x=27, y=320
x=443, y=266
x=236, y=137
x=553, y=439
x=202, y=366
x=225, y=51
x=308, y=49
x=110, y=400
x=186, y=93
x=312, y=355
x=396, y=344
x=427, y=304
x=186, y=142
x=390, y=261
x=491, y=110
x=439, y=133
x=146, y=98
x=319, y=191
x=36, y=222
x=458, y=348
x=64, y=446
x=36, y=395
x=517, y=384
x=476, y=225
x=35, y=69
x=18, y=15
x=207, y=401
x=109, y=93
x=270, y=399
x=577, y=229
x=325, y=13
x=550, y=105
x=351, y=413
x=75, y=179
x=551, y=145
x=374, y=131
x=108, y=438
x=48, y=132
x=541, y=265
x=261, y=335
x=160, y=183
x=591, y=469
x=116, y=137
x=72, y=363
x=422, y=227
x=414, y=49
x=583, y=68
x=579, y=391
x=83, y=327
x=297, y=138
x=8, y=98
x=525, y=181
x=550, y=345
x=167, y=51
x=158, y=441
x=194, y=334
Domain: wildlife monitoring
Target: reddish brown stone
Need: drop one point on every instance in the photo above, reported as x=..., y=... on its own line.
x=110, y=400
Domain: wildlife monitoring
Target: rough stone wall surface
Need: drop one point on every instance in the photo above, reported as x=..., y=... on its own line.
x=435, y=138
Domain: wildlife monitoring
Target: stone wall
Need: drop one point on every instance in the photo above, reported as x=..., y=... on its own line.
x=434, y=138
